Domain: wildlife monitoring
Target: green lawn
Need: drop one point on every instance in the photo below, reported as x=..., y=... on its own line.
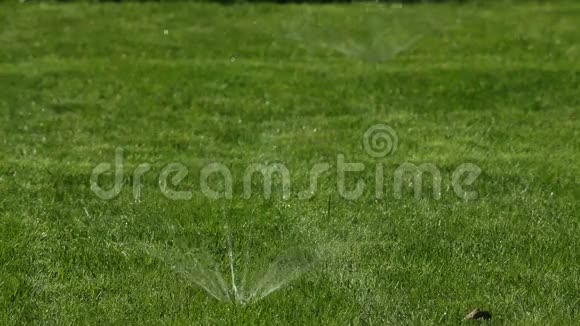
x=494, y=85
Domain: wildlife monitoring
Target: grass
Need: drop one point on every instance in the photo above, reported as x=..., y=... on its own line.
x=495, y=85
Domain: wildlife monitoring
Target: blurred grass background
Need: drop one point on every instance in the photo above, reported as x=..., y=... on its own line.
x=494, y=84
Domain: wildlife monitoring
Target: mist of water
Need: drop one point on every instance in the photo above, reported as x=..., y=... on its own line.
x=258, y=279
